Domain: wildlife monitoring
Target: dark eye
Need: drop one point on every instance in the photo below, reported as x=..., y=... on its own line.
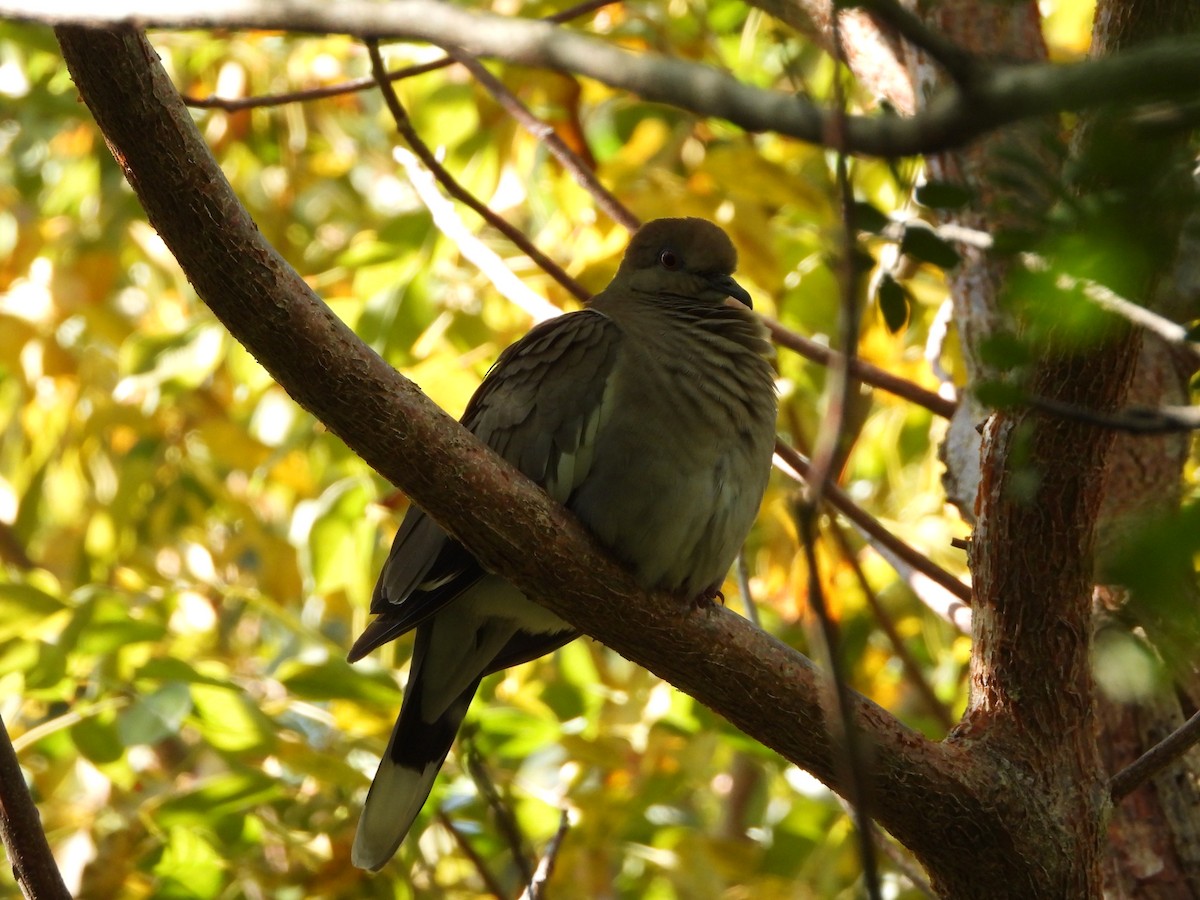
x=668, y=260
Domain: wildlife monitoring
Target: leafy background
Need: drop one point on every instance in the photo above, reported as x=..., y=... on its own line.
x=187, y=555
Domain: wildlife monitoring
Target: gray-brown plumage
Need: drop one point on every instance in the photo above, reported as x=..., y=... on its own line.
x=651, y=416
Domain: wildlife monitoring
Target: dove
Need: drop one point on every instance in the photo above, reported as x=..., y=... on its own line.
x=650, y=415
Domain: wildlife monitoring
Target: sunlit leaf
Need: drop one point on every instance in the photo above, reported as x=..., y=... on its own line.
x=229, y=721
x=190, y=867
x=23, y=606
x=336, y=679
x=230, y=794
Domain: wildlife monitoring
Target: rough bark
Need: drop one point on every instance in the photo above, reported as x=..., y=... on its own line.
x=1154, y=834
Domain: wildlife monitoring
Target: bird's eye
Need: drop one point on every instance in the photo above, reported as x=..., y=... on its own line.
x=668, y=260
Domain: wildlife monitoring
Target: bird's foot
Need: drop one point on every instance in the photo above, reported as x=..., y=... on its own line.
x=706, y=600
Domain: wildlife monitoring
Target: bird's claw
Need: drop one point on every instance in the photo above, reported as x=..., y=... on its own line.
x=706, y=600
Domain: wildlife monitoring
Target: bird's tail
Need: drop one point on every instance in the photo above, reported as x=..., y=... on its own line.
x=411, y=762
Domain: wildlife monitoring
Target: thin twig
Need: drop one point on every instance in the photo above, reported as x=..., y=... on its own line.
x=1007, y=92
x=1107, y=299
x=839, y=716
x=1157, y=758
x=887, y=541
x=861, y=369
x=21, y=829
x=829, y=436
x=506, y=823
x=825, y=454
x=742, y=576
x=536, y=888
x=1141, y=420
x=905, y=865
x=570, y=160
x=449, y=222
x=491, y=882
x=234, y=104
x=456, y=190
x=915, y=676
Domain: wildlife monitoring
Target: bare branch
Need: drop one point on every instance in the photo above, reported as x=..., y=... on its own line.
x=839, y=715
x=1131, y=420
x=1157, y=758
x=887, y=541
x=446, y=218
x=502, y=813
x=21, y=830
x=862, y=370
x=456, y=190
x=482, y=869
x=1003, y=93
x=1107, y=299
x=233, y=104
x=545, y=868
x=916, y=677
x=544, y=133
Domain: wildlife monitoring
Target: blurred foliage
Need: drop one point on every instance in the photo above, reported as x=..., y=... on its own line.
x=187, y=555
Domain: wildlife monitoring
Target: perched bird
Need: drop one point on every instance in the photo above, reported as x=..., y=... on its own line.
x=651, y=416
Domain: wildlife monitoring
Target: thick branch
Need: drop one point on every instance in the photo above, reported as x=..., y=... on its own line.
x=999, y=94
x=29, y=854
x=759, y=684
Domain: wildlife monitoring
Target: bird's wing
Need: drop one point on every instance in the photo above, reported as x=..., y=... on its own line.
x=540, y=407
x=544, y=400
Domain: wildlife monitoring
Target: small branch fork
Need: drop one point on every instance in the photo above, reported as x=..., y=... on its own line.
x=427, y=156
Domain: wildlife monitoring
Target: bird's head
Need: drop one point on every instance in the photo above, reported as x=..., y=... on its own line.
x=687, y=258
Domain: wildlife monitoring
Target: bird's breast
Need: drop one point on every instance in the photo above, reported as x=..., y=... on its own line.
x=680, y=468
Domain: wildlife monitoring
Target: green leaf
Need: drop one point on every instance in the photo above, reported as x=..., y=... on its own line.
x=921, y=243
x=22, y=607
x=156, y=716
x=341, y=540
x=336, y=679
x=229, y=721
x=944, y=195
x=99, y=741
x=189, y=867
x=893, y=303
x=168, y=668
x=229, y=794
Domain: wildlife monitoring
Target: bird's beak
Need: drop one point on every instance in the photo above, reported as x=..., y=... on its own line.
x=731, y=288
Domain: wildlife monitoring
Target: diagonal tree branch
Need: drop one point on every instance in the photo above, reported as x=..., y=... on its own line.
x=29, y=854
x=999, y=94
x=759, y=684
x=1157, y=758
